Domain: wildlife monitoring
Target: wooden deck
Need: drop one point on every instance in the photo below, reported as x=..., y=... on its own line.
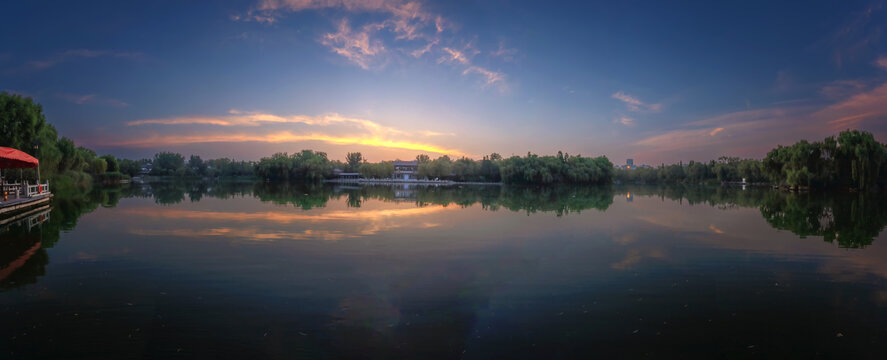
x=16, y=205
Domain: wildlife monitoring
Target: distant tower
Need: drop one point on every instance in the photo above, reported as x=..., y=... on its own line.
x=629, y=163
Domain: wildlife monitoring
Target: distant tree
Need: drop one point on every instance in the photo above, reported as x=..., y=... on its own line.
x=422, y=158
x=382, y=170
x=196, y=165
x=98, y=166
x=354, y=160
x=168, y=163
x=130, y=167
x=111, y=161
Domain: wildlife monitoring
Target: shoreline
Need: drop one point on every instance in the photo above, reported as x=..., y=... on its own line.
x=401, y=181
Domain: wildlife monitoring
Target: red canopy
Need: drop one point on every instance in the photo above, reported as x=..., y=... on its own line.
x=14, y=159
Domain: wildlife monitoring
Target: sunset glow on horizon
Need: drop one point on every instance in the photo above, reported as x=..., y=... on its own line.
x=656, y=82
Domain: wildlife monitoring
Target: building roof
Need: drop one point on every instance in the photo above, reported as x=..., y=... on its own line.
x=405, y=163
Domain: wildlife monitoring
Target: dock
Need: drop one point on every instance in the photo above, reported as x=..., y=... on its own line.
x=21, y=204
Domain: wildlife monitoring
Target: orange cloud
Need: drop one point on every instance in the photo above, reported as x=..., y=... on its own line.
x=866, y=106
x=370, y=133
x=285, y=137
x=715, y=131
x=239, y=118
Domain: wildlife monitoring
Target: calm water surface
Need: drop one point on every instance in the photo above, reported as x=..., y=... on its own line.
x=253, y=271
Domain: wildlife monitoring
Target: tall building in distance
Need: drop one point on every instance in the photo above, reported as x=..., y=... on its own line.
x=629, y=165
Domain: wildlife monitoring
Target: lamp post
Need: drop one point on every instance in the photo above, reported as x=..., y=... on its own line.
x=36, y=146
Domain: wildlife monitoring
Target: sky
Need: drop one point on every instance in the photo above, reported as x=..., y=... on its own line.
x=659, y=82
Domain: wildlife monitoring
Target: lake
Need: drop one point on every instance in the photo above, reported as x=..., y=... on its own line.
x=243, y=270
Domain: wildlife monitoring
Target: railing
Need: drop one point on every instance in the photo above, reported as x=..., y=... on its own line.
x=10, y=191
x=18, y=190
x=38, y=189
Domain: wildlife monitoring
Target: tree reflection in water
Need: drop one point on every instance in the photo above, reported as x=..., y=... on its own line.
x=851, y=220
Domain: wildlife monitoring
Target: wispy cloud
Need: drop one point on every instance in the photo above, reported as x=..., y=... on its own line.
x=74, y=54
x=867, y=106
x=356, y=46
x=453, y=55
x=410, y=27
x=463, y=57
x=507, y=54
x=91, y=99
x=490, y=77
x=882, y=62
x=858, y=37
x=634, y=104
x=753, y=132
x=358, y=132
x=625, y=121
x=842, y=88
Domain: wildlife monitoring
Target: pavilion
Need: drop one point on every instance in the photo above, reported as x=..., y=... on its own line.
x=20, y=195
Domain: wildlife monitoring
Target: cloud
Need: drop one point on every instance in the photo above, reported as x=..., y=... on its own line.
x=240, y=118
x=434, y=133
x=357, y=132
x=427, y=49
x=283, y=137
x=634, y=104
x=491, y=78
x=415, y=30
x=741, y=133
x=357, y=46
x=842, y=88
x=505, y=53
x=882, y=62
x=624, y=120
x=454, y=55
x=858, y=37
x=78, y=54
x=92, y=99
x=864, y=107
x=754, y=132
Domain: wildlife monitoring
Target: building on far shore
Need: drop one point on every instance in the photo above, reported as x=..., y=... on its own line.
x=341, y=175
x=406, y=170
x=629, y=165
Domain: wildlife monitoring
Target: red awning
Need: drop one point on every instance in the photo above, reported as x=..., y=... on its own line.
x=14, y=159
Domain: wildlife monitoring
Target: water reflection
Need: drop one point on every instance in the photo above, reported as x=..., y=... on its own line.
x=255, y=270
x=23, y=257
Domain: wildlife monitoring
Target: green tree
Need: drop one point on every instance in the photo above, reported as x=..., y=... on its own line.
x=354, y=159
x=196, y=165
x=111, y=161
x=168, y=163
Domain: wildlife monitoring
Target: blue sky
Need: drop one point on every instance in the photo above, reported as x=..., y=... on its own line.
x=656, y=81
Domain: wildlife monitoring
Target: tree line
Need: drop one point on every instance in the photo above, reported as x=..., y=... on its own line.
x=852, y=159
x=530, y=169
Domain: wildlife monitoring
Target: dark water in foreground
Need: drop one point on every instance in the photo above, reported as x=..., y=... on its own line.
x=257, y=271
